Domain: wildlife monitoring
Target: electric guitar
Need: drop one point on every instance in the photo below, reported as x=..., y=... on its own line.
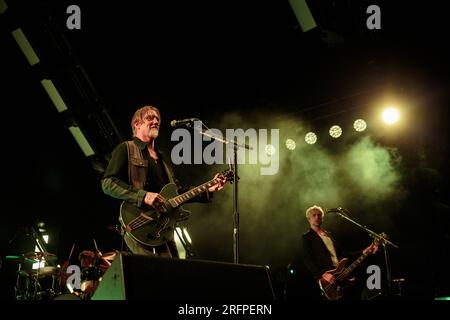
x=334, y=291
x=152, y=228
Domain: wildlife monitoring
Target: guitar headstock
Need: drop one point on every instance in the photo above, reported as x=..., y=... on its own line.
x=378, y=239
x=381, y=239
x=227, y=175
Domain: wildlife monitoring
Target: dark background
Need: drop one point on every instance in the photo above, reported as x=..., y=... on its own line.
x=209, y=60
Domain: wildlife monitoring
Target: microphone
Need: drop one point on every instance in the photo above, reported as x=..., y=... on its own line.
x=339, y=209
x=177, y=123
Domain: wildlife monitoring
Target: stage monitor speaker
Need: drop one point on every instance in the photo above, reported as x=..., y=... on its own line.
x=132, y=277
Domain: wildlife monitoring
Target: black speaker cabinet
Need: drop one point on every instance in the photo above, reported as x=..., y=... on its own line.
x=132, y=277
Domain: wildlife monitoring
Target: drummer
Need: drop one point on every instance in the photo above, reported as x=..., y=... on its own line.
x=87, y=259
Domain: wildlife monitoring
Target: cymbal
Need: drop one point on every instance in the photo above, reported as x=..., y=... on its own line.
x=20, y=259
x=40, y=255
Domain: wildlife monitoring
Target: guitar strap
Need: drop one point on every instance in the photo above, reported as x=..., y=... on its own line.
x=138, y=167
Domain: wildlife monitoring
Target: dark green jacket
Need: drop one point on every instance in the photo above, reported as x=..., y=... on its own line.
x=116, y=183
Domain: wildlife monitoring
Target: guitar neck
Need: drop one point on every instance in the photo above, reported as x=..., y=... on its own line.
x=188, y=195
x=358, y=261
x=351, y=267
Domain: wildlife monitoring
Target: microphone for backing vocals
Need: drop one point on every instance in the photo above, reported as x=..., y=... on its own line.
x=177, y=123
x=339, y=209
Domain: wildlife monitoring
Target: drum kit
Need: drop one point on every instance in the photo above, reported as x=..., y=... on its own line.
x=34, y=284
x=48, y=282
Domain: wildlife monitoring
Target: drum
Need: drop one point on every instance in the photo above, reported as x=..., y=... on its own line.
x=44, y=283
x=24, y=288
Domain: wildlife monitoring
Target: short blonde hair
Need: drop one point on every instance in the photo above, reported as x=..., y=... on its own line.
x=314, y=207
x=140, y=114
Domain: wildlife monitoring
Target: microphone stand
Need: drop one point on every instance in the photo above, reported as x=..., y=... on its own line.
x=378, y=237
x=234, y=167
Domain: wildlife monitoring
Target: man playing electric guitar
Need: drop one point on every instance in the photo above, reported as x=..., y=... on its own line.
x=137, y=174
x=323, y=256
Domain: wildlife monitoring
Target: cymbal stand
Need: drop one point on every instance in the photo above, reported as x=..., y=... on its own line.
x=36, y=283
x=17, y=286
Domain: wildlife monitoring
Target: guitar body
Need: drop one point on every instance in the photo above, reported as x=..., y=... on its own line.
x=149, y=227
x=334, y=291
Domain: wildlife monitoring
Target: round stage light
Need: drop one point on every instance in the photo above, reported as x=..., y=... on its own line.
x=335, y=131
x=310, y=138
x=270, y=150
x=360, y=125
x=290, y=144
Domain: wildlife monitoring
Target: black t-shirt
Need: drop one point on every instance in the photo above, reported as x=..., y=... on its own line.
x=156, y=175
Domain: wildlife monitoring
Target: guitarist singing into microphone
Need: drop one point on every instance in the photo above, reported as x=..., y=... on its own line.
x=323, y=256
x=138, y=173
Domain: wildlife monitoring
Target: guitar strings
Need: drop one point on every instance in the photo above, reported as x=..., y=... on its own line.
x=137, y=222
x=141, y=220
x=342, y=275
x=202, y=187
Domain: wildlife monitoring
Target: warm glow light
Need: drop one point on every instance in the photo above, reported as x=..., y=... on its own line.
x=391, y=115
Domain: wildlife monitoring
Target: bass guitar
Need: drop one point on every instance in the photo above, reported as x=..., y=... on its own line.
x=334, y=291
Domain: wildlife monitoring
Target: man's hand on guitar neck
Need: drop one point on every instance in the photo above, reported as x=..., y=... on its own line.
x=156, y=201
x=372, y=249
x=328, y=277
x=219, y=185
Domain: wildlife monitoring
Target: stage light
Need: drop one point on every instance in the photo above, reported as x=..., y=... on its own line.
x=360, y=125
x=182, y=241
x=335, y=131
x=310, y=138
x=270, y=150
x=25, y=46
x=290, y=144
x=60, y=105
x=186, y=235
x=303, y=14
x=391, y=115
x=179, y=243
x=291, y=270
x=54, y=95
x=82, y=141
